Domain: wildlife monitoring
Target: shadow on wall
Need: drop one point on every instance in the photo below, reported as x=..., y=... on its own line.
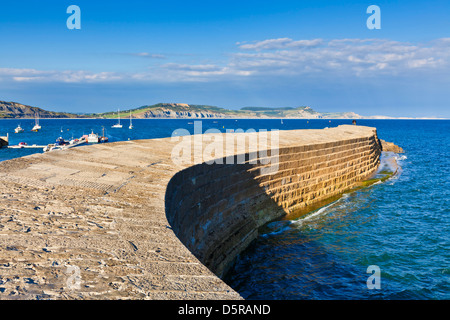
x=217, y=209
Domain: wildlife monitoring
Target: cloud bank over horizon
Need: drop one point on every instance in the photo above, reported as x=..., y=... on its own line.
x=276, y=58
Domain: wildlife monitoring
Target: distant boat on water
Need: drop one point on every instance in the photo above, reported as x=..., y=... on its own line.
x=19, y=129
x=36, y=127
x=118, y=125
x=131, y=123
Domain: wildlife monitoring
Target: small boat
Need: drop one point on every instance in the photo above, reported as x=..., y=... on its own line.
x=56, y=148
x=48, y=147
x=61, y=142
x=131, y=123
x=281, y=121
x=117, y=125
x=22, y=144
x=93, y=138
x=36, y=127
x=103, y=138
x=58, y=145
x=19, y=129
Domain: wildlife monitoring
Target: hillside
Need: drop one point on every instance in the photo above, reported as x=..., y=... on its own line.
x=177, y=110
x=172, y=110
x=181, y=110
x=17, y=110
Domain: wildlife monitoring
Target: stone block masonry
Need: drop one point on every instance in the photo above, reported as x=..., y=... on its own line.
x=216, y=210
x=121, y=220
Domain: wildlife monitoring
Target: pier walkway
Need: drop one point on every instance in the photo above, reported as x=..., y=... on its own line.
x=92, y=222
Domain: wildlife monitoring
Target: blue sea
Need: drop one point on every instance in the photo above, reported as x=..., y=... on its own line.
x=401, y=226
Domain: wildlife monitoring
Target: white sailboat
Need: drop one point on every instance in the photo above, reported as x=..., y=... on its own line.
x=117, y=125
x=131, y=123
x=36, y=127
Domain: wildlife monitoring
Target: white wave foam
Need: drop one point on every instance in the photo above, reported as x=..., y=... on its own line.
x=278, y=231
x=321, y=210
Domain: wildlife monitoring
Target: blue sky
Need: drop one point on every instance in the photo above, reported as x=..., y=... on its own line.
x=229, y=54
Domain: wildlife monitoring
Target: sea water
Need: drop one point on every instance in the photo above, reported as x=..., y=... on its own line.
x=402, y=225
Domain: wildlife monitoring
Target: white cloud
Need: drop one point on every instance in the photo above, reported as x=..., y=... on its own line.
x=149, y=55
x=280, y=43
x=352, y=57
x=194, y=68
x=276, y=57
x=33, y=75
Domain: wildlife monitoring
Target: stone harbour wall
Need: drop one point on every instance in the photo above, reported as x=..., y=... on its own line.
x=216, y=210
x=125, y=220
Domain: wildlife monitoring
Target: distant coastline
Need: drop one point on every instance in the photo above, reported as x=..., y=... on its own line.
x=237, y=118
x=14, y=110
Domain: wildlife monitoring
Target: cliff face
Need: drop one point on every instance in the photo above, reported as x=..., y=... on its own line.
x=17, y=110
x=179, y=110
x=165, y=113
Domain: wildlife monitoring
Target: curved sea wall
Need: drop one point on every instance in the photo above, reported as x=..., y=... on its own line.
x=130, y=220
x=216, y=209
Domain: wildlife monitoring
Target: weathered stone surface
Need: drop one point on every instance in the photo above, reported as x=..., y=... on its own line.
x=389, y=146
x=124, y=221
x=222, y=216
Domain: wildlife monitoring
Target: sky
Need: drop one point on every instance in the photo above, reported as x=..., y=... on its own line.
x=230, y=54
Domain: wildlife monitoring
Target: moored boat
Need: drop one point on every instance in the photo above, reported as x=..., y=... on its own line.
x=36, y=127
x=19, y=129
x=131, y=123
x=117, y=125
x=103, y=138
x=61, y=142
x=93, y=138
